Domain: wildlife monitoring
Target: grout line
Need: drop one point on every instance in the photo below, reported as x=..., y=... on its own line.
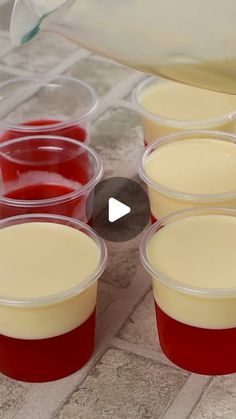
x=117, y=93
x=154, y=354
x=27, y=92
x=47, y=398
x=138, y=303
x=70, y=61
x=6, y=51
x=199, y=397
x=76, y=56
x=188, y=397
x=15, y=71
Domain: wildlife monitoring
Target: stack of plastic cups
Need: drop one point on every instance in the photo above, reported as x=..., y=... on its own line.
x=48, y=176
x=188, y=250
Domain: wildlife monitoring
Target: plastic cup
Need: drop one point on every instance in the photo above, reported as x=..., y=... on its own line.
x=196, y=324
x=46, y=105
x=193, y=169
x=155, y=124
x=49, y=336
x=48, y=174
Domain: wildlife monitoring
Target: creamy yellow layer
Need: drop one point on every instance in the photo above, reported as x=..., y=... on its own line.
x=193, y=107
x=197, y=252
x=197, y=166
x=42, y=259
x=184, y=103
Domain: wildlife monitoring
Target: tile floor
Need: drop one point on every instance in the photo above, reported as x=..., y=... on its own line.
x=128, y=376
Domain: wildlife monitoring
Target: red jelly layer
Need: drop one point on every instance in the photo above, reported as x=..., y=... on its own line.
x=203, y=351
x=75, y=207
x=47, y=359
x=72, y=164
x=73, y=131
x=39, y=191
x=153, y=219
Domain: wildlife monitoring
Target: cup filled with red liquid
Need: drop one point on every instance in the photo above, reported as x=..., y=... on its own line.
x=191, y=257
x=48, y=174
x=190, y=169
x=50, y=266
x=46, y=105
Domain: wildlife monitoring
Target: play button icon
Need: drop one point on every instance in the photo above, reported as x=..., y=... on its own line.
x=117, y=210
x=121, y=209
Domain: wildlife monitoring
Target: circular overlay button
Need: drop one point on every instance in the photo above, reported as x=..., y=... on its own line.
x=121, y=209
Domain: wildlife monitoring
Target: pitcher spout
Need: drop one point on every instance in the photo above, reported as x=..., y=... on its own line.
x=30, y=16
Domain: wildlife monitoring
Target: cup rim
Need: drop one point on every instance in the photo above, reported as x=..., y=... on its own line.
x=180, y=195
x=47, y=79
x=63, y=198
x=170, y=282
x=171, y=122
x=71, y=292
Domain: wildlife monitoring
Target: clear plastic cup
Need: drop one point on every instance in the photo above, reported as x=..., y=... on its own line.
x=155, y=125
x=48, y=174
x=46, y=105
x=165, y=200
x=49, y=336
x=196, y=324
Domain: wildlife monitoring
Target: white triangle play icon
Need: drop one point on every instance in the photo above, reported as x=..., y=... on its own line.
x=117, y=210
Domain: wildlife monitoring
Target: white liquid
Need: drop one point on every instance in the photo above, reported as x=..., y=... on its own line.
x=184, y=103
x=168, y=107
x=184, y=40
x=198, y=252
x=195, y=166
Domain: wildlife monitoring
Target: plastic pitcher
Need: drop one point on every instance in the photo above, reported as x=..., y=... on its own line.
x=191, y=41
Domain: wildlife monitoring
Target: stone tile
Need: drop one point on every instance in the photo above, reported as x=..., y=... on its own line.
x=118, y=138
x=43, y=103
x=41, y=54
x=129, y=96
x=141, y=327
x=123, y=261
x=5, y=44
x=218, y=401
x=12, y=396
x=106, y=296
x=5, y=14
x=5, y=76
x=124, y=386
x=101, y=74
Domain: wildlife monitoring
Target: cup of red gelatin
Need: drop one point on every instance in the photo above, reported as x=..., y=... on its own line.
x=50, y=268
x=47, y=105
x=191, y=257
x=48, y=174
